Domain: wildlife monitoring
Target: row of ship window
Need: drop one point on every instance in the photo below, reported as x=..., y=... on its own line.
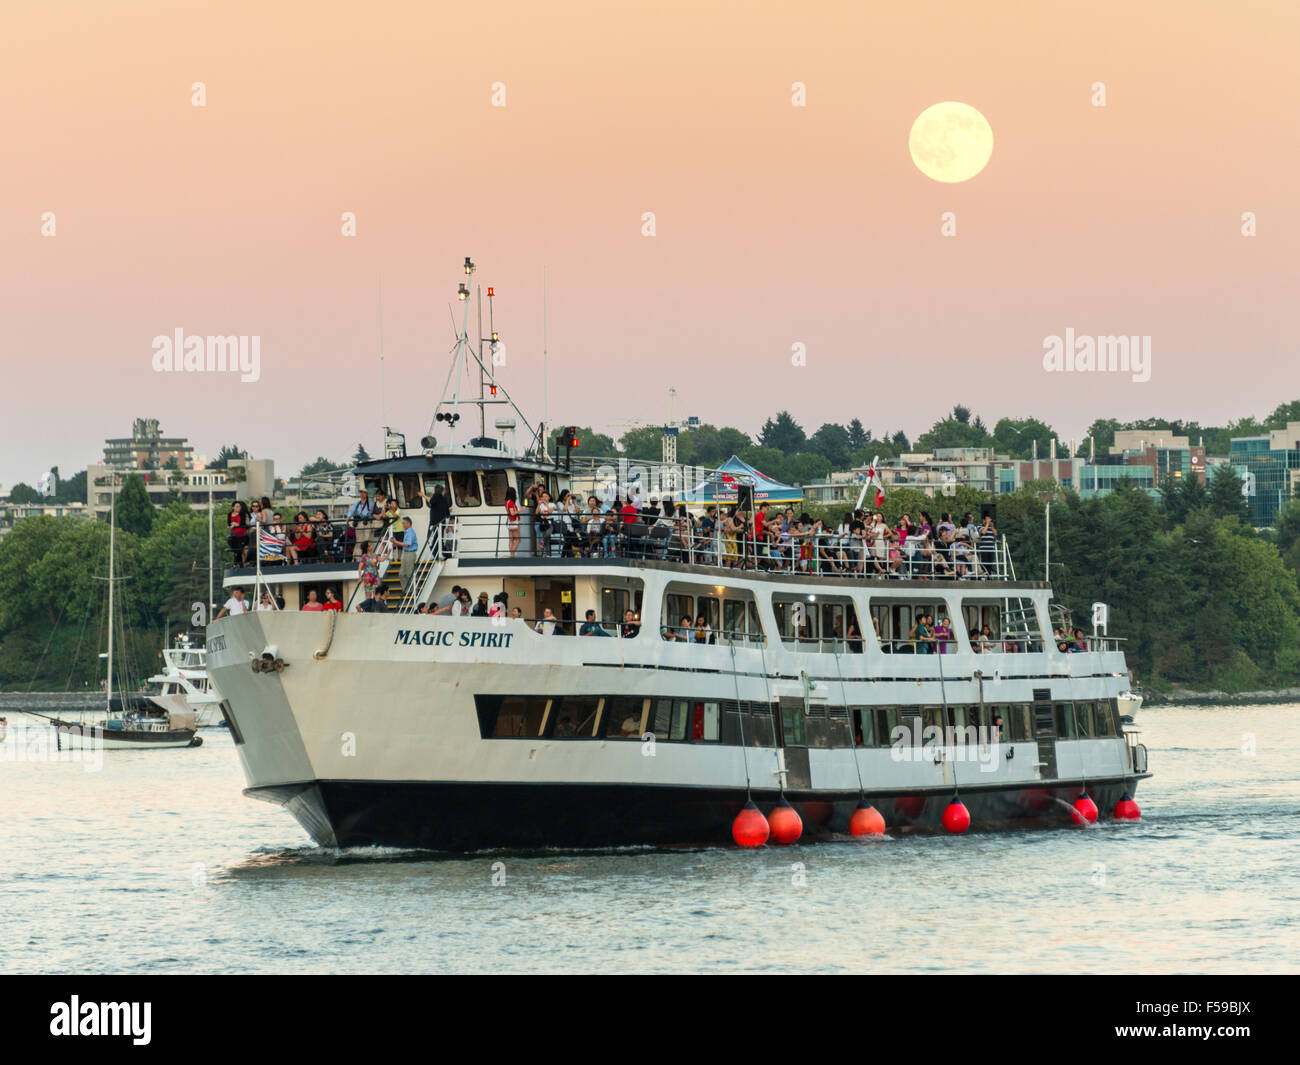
x=734, y=723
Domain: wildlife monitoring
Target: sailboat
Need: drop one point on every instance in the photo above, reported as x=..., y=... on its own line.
x=130, y=721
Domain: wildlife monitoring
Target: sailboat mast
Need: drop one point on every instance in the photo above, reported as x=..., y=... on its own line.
x=112, y=557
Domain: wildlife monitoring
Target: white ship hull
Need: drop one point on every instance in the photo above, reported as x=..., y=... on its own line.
x=379, y=741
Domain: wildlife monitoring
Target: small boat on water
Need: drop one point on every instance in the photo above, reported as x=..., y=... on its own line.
x=184, y=685
x=130, y=720
x=1130, y=702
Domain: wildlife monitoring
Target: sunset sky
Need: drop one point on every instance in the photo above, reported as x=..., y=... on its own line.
x=775, y=224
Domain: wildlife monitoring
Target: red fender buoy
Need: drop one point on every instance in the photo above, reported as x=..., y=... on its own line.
x=1084, y=810
x=1127, y=810
x=750, y=828
x=866, y=821
x=956, y=818
x=786, y=824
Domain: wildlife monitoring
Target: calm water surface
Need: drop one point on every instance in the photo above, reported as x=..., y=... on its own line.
x=158, y=864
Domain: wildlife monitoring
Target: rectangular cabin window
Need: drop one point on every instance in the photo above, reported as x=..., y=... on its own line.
x=708, y=605
x=733, y=618
x=791, y=723
x=573, y=716
x=797, y=620
x=670, y=718
x=1063, y=715
x=677, y=607
x=622, y=718
x=613, y=605
x=886, y=722
x=495, y=483
x=511, y=716
x=464, y=489
x=1083, y=721
x=832, y=622
x=1105, y=718
x=406, y=486
x=1016, y=721
x=432, y=481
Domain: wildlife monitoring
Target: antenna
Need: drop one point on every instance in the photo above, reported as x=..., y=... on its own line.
x=382, y=413
x=462, y=352
x=546, y=396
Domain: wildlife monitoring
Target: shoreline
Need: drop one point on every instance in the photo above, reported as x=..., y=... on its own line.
x=1218, y=698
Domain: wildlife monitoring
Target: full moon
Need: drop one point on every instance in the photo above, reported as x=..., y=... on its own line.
x=950, y=142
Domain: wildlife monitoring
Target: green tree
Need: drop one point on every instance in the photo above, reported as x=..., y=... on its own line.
x=1016, y=437
x=769, y=461
x=806, y=468
x=1225, y=498
x=1102, y=433
x=784, y=434
x=224, y=455
x=360, y=455
x=73, y=490
x=24, y=493
x=1284, y=413
x=832, y=442
x=956, y=430
x=135, y=513
x=319, y=465
x=858, y=436
x=643, y=444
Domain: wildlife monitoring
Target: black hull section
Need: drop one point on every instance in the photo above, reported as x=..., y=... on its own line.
x=463, y=817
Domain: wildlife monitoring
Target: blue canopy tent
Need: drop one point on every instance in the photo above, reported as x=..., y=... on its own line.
x=722, y=486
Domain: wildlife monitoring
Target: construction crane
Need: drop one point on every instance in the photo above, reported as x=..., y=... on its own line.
x=670, y=429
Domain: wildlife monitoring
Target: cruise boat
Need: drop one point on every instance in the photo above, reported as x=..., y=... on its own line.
x=184, y=685
x=803, y=686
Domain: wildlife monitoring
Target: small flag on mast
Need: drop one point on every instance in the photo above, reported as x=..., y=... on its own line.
x=873, y=478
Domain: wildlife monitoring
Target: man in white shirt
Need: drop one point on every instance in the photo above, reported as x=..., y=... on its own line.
x=235, y=605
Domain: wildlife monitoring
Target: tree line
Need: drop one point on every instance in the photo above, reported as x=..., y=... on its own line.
x=1202, y=599
x=784, y=450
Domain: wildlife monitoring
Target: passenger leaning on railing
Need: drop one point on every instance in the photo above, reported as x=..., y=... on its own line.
x=359, y=515
x=238, y=525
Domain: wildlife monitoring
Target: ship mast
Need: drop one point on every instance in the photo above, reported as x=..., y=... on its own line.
x=112, y=542
x=462, y=352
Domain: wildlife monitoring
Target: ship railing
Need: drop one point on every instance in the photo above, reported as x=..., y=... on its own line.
x=620, y=630
x=825, y=553
x=338, y=547
x=382, y=552
x=431, y=551
x=949, y=645
x=718, y=637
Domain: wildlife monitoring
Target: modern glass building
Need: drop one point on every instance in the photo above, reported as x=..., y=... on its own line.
x=1099, y=479
x=1269, y=462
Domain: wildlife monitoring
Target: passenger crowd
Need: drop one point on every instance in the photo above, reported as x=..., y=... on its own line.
x=862, y=543
x=376, y=527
